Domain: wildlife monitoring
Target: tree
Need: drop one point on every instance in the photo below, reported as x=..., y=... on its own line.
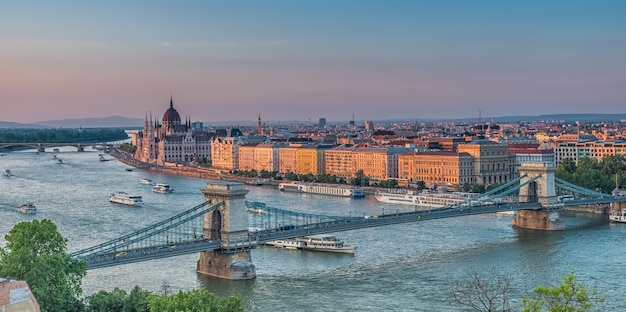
x=36, y=252
x=197, y=300
x=569, y=296
x=487, y=292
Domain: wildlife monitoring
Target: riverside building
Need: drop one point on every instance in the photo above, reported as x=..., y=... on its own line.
x=171, y=141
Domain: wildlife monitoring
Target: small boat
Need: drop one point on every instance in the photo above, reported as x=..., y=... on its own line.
x=145, y=181
x=162, y=188
x=129, y=169
x=618, y=216
x=124, y=198
x=321, y=242
x=7, y=173
x=59, y=161
x=28, y=208
x=257, y=211
x=56, y=150
x=256, y=182
x=103, y=159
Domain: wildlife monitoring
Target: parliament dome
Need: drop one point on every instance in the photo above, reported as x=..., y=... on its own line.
x=171, y=116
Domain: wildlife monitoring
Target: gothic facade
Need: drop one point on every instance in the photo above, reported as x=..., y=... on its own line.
x=171, y=141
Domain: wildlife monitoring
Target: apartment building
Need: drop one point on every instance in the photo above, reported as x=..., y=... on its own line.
x=341, y=162
x=594, y=149
x=378, y=162
x=437, y=167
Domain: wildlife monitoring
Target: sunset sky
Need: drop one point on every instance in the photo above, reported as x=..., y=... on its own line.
x=302, y=60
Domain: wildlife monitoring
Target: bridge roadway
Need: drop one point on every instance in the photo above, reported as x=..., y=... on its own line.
x=255, y=238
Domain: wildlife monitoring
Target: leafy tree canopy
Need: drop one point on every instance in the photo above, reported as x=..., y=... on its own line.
x=36, y=252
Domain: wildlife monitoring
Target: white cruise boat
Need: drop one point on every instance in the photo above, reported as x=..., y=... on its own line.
x=321, y=242
x=145, y=181
x=422, y=199
x=124, y=198
x=162, y=188
x=323, y=189
x=28, y=208
x=618, y=216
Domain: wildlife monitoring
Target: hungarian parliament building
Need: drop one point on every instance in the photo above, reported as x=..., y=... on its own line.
x=171, y=140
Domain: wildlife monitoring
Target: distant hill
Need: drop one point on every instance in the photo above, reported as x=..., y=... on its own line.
x=17, y=125
x=106, y=122
x=125, y=122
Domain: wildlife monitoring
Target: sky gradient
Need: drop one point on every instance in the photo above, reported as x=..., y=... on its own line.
x=302, y=60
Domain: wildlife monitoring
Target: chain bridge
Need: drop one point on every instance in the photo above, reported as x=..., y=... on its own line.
x=225, y=227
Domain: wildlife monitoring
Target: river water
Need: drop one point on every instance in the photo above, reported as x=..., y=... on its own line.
x=407, y=267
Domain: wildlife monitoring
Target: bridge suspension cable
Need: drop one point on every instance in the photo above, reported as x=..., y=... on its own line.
x=577, y=189
x=143, y=237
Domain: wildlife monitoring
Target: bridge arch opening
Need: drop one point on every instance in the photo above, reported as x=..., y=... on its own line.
x=216, y=225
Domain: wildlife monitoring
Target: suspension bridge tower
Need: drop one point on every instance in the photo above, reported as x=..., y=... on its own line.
x=229, y=224
x=542, y=191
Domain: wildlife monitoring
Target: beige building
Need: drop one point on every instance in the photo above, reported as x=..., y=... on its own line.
x=225, y=153
x=267, y=157
x=246, y=156
x=341, y=162
x=492, y=162
x=288, y=158
x=437, y=167
x=378, y=162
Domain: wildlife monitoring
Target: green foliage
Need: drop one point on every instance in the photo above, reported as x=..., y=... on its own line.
x=36, y=252
x=118, y=301
x=361, y=179
x=588, y=173
x=569, y=296
x=197, y=300
x=126, y=147
x=88, y=135
x=420, y=185
x=388, y=183
x=291, y=176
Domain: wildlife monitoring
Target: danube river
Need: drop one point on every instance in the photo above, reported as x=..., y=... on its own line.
x=407, y=267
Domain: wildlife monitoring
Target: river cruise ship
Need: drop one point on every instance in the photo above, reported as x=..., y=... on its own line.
x=124, y=198
x=618, y=216
x=323, y=189
x=162, y=188
x=422, y=199
x=321, y=242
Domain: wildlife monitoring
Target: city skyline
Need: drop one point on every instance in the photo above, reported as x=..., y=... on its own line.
x=230, y=60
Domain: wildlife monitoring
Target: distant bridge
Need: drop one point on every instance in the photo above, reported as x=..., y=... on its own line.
x=41, y=147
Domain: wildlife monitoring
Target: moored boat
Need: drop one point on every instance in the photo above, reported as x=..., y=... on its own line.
x=7, y=173
x=124, y=198
x=322, y=189
x=321, y=242
x=618, y=216
x=145, y=181
x=162, y=188
x=422, y=199
x=28, y=208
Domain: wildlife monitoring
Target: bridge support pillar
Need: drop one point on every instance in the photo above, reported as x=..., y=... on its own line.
x=232, y=266
x=544, y=220
x=40, y=148
x=80, y=148
x=541, y=191
x=229, y=224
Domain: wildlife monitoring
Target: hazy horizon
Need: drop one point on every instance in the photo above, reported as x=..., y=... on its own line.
x=302, y=60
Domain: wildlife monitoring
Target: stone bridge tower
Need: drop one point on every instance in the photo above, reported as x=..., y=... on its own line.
x=229, y=224
x=541, y=191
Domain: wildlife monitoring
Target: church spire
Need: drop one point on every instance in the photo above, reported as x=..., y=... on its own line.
x=171, y=101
